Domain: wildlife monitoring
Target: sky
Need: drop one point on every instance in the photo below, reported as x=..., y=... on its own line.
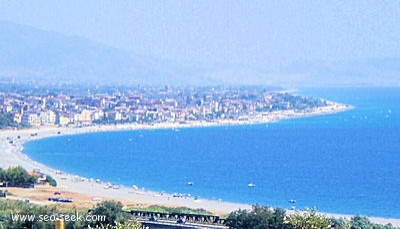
x=217, y=31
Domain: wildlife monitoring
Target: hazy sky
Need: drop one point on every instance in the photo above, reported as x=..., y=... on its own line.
x=248, y=32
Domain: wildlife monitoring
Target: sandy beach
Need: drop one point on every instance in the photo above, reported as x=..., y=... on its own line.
x=90, y=191
x=11, y=154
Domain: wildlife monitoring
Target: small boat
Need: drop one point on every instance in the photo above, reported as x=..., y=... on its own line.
x=190, y=183
x=292, y=201
x=251, y=185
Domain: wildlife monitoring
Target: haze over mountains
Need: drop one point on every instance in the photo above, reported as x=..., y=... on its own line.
x=29, y=53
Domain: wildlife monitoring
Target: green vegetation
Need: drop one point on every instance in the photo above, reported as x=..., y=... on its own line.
x=50, y=180
x=115, y=218
x=259, y=217
x=7, y=121
x=16, y=177
x=8, y=208
x=264, y=217
x=19, y=177
x=308, y=220
x=361, y=222
x=287, y=101
x=113, y=212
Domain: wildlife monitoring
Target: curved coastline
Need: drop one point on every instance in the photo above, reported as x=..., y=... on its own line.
x=12, y=155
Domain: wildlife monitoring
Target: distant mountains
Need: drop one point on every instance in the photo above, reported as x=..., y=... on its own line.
x=26, y=52
x=29, y=53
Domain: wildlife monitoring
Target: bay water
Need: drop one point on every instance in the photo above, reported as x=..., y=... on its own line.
x=346, y=163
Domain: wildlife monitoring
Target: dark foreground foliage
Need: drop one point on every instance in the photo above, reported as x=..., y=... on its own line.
x=115, y=218
x=264, y=217
x=12, y=210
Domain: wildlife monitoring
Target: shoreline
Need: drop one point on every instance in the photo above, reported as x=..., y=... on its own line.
x=12, y=153
x=12, y=156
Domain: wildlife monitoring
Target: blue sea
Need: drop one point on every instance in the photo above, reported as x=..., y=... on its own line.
x=345, y=163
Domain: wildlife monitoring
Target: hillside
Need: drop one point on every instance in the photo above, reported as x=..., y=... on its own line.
x=28, y=53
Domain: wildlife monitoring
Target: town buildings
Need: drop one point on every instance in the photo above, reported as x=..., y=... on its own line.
x=46, y=107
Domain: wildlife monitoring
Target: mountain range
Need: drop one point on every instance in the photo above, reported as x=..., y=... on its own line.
x=28, y=53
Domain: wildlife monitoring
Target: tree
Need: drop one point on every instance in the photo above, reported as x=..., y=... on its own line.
x=362, y=222
x=19, y=177
x=3, y=175
x=112, y=211
x=51, y=181
x=309, y=220
x=278, y=221
x=23, y=208
x=341, y=223
x=7, y=121
x=258, y=217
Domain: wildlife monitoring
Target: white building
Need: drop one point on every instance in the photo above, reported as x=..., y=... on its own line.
x=31, y=118
x=47, y=118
